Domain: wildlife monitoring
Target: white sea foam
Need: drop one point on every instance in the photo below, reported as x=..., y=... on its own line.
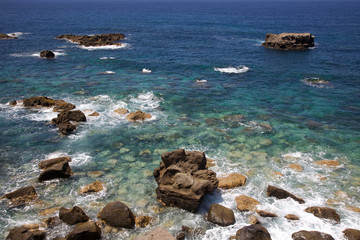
x=107, y=72
x=145, y=70
x=58, y=52
x=109, y=47
x=239, y=69
x=145, y=101
x=317, y=82
x=105, y=58
x=201, y=81
x=16, y=34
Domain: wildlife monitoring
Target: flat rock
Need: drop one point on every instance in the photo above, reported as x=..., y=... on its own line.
x=86, y=230
x=157, y=234
x=58, y=170
x=5, y=36
x=98, y=40
x=121, y=111
x=73, y=216
x=328, y=163
x=263, y=213
x=253, y=232
x=292, y=217
x=246, y=203
x=117, y=214
x=21, y=196
x=138, y=116
x=351, y=234
x=311, y=235
x=324, y=212
x=49, y=162
x=93, y=187
x=39, y=102
x=289, y=41
x=282, y=194
x=221, y=215
x=231, y=181
x=47, y=54
x=26, y=233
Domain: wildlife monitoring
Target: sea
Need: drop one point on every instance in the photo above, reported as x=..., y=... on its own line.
x=207, y=68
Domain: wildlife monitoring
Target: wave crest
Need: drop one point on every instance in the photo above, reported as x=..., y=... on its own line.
x=239, y=69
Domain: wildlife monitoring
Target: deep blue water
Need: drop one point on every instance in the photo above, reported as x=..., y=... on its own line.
x=182, y=43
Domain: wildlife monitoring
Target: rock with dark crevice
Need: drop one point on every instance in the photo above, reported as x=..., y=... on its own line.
x=21, y=196
x=289, y=41
x=65, y=120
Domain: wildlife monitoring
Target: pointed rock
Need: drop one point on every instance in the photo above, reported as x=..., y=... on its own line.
x=73, y=216
x=282, y=194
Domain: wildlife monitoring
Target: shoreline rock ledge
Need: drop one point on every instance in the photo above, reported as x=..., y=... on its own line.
x=289, y=41
x=98, y=40
x=183, y=179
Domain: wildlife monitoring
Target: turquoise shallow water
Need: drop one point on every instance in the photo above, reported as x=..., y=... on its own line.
x=182, y=43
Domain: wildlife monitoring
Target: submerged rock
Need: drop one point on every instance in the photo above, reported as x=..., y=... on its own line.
x=93, y=187
x=106, y=39
x=137, y=116
x=157, y=234
x=73, y=216
x=21, y=196
x=183, y=179
x=324, y=212
x=58, y=169
x=282, y=194
x=245, y=203
x=121, y=111
x=311, y=235
x=351, y=234
x=289, y=41
x=231, y=181
x=220, y=215
x=47, y=54
x=87, y=230
x=252, y=232
x=117, y=214
x=143, y=221
x=328, y=163
x=26, y=232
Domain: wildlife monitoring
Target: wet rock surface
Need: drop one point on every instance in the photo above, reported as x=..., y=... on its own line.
x=251, y=232
x=47, y=54
x=138, y=116
x=289, y=41
x=324, y=212
x=87, y=230
x=282, y=194
x=21, y=196
x=55, y=169
x=221, y=215
x=26, y=233
x=311, y=235
x=351, y=234
x=157, y=234
x=5, y=36
x=73, y=216
x=231, y=181
x=117, y=214
x=106, y=39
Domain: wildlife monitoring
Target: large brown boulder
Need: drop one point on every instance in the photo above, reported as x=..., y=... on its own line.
x=98, y=40
x=65, y=118
x=245, y=203
x=138, y=116
x=86, y=230
x=351, y=234
x=5, y=36
x=73, y=216
x=117, y=214
x=252, y=232
x=26, y=233
x=324, y=212
x=311, y=235
x=21, y=196
x=183, y=179
x=47, y=54
x=232, y=180
x=57, y=170
x=221, y=215
x=282, y=194
x=289, y=41
x=157, y=234
x=52, y=161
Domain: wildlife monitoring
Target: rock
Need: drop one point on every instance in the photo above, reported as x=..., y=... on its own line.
x=324, y=212
x=51, y=222
x=263, y=213
x=292, y=217
x=281, y=194
x=94, y=114
x=352, y=208
x=157, y=234
x=95, y=174
x=183, y=179
x=212, y=122
x=87, y=230
x=143, y=221
x=26, y=232
x=328, y=163
x=121, y=111
x=253, y=219
x=289, y=41
x=117, y=214
x=59, y=105
x=311, y=235
x=98, y=40
x=231, y=181
x=49, y=211
x=49, y=162
x=210, y=163
x=21, y=196
x=73, y=216
x=180, y=236
x=5, y=36
x=221, y=215
x=352, y=234
x=47, y=54
x=57, y=170
x=278, y=174
x=296, y=167
x=245, y=203
x=341, y=195
x=13, y=103
x=253, y=232
x=137, y=116
x=93, y=187
x=63, y=106
x=66, y=128
x=64, y=119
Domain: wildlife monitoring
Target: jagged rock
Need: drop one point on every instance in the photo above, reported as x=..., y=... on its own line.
x=282, y=194
x=289, y=41
x=21, y=196
x=252, y=232
x=73, y=216
x=351, y=234
x=66, y=128
x=51, y=222
x=324, y=212
x=328, y=163
x=292, y=217
x=143, y=221
x=26, y=233
x=245, y=203
x=137, y=116
x=47, y=54
x=59, y=105
x=57, y=170
x=121, y=111
x=63, y=106
x=98, y=40
x=311, y=235
x=64, y=119
x=221, y=215
x=231, y=181
x=52, y=161
x=157, y=234
x=87, y=230
x=93, y=187
x=183, y=179
x=5, y=36
x=117, y=214
x=263, y=213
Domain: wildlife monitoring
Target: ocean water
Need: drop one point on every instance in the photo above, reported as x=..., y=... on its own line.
x=206, y=63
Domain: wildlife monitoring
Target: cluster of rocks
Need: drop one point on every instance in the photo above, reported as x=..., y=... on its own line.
x=289, y=41
x=106, y=39
x=133, y=116
x=6, y=36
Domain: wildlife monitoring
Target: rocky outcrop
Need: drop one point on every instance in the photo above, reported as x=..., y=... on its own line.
x=282, y=194
x=21, y=196
x=26, y=232
x=55, y=169
x=351, y=234
x=221, y=215
x=87, y=230
x=98, y=40
x=5, y=36
x=183, y=179
x=73, y=216
x=245, y=203
x=93, y=187
x=311, y=235
x=38, y=102
x=52, y=161
x=324, y=212
x=117, y=214
x=47, y=54
x=65, y=120
x=251, y=232
x=157, y=234
x=232, y=181
x=289, y=41
x=138, y=116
